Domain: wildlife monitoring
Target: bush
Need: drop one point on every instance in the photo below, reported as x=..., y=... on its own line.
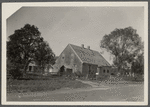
x=15, y=73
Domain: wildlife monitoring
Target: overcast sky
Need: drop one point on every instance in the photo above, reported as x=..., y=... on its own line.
x=77, y=25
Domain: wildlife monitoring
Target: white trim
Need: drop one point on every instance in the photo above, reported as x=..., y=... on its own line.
x=76, y=53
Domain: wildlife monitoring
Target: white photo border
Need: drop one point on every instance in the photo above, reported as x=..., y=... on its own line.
x=10, y=8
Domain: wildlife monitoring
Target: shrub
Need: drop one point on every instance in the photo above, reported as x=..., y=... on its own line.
x=15, y=73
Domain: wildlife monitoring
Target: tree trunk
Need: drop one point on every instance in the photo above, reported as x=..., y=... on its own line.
x=26, y=65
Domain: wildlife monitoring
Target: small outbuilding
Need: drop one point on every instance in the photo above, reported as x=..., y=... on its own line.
x=34, y=68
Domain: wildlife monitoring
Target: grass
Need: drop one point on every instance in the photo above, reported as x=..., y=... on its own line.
x=37, y=85
x=119, y=80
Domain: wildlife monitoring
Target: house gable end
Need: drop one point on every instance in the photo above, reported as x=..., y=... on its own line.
x=59, y=57
x=67, y=58
x=75, y=53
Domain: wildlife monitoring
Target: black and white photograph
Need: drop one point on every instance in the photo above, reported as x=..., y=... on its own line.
x=75, y=53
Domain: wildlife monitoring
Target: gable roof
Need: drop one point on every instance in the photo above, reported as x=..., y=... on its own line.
x=90, y=56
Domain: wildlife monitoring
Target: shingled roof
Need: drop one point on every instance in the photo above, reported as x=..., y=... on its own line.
x=90, y=56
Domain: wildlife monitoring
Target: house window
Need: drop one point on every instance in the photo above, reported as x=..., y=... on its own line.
x=107, y=71
x=103, y=71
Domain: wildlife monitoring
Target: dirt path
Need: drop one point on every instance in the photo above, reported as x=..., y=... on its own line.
x=125, y=93
x=97, y=92
x=93, y=84
x=109, y=83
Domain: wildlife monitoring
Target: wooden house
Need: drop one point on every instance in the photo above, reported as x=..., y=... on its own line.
x=82, y=61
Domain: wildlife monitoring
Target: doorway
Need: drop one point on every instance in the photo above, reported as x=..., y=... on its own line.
x=62, y=70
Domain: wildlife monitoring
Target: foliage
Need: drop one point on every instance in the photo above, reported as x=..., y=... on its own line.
x=138, y=64
x=15, y=73
x=124, y=44
x=23, y=46
x=44, y=55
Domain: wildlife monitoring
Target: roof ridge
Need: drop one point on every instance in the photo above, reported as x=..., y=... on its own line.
x=83, y=48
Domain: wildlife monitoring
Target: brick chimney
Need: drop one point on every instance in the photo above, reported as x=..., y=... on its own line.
x=88, y=47
x=82, y=45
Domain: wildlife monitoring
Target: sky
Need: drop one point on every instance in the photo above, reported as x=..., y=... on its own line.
x=60, y=26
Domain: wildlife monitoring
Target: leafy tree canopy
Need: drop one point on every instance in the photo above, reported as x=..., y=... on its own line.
x=44, y=55
x=124, y=44
x=24, y=45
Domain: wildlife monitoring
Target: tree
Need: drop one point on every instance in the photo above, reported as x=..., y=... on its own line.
x=124, y=45
x=23, y=46
x=138, y=64
x=44, y=55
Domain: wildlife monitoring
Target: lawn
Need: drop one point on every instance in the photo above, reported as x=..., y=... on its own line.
x=36, y=85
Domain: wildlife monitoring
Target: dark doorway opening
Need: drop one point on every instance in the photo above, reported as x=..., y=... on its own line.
x=62, y=70
x=30, y=68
